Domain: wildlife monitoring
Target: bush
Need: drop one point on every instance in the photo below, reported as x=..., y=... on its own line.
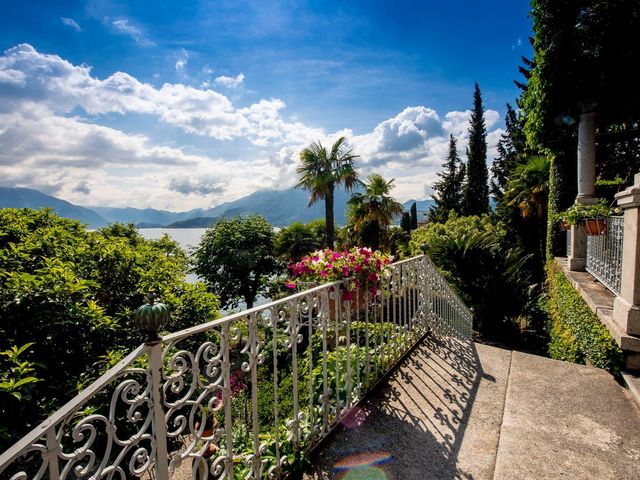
x=576, y=333
x=475, y=255
x=71, y=294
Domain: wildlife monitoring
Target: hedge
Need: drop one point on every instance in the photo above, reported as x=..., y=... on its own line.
x=576, y=333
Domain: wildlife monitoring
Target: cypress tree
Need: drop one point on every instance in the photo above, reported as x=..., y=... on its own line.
x=476, y=193
x=511, y=147
x=405, y=222
x=448, y=190
x=414, y=216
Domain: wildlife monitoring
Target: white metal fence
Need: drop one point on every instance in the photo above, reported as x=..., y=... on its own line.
x=604, y=254
x=242, y=396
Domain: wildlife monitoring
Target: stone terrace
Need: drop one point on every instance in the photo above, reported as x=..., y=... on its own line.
x=461, y=410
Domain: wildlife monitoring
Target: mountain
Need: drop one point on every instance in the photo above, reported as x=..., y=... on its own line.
x=196, y=222
x=140, y=215
x=279, y=207
x=421, y=205
x=28, y=198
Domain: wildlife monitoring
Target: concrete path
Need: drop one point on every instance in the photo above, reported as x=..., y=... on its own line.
x=457, y=410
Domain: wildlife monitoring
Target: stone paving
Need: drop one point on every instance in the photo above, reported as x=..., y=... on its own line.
x=461, y=410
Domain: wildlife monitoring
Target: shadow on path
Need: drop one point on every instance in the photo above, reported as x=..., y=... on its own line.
x=414, y=425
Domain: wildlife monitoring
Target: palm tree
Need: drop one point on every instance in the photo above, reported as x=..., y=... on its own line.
x=528, y=189
x=321, y=171
x=372, y=211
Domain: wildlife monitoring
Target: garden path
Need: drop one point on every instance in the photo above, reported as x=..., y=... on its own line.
x=461, y=410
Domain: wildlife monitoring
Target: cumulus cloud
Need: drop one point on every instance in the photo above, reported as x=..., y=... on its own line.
x=230, y=82
x=202, y=186
x=53, y=138
x=70, y=22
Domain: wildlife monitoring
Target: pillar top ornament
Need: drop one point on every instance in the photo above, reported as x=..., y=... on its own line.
x=587, y=106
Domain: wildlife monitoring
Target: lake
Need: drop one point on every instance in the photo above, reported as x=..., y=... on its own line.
x=186, y=237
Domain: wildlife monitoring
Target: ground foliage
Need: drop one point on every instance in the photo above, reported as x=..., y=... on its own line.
x=576, y=333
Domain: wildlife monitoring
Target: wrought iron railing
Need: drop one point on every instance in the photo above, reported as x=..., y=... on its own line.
x=604, y=254
x=242, y=396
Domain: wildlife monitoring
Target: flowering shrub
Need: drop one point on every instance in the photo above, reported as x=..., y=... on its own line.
x=362, y=267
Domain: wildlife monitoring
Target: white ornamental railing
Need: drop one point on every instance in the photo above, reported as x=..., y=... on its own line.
x=246, y=395
x=604, y=254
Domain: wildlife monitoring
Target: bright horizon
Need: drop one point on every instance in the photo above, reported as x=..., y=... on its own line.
x=178, y=107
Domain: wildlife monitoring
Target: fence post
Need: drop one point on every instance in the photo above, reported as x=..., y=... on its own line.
x=159, y=421
x=626, y=306
x=150, y=318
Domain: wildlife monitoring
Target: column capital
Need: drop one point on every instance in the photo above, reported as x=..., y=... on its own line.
x=587, y=106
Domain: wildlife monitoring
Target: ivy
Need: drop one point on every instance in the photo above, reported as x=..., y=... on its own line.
x=576, y=333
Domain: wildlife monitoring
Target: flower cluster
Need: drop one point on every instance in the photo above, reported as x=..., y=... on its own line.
x=362, y=267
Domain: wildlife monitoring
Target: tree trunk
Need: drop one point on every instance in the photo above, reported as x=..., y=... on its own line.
x=328, y=212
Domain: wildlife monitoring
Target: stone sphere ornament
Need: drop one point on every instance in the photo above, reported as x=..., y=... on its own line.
x=151, y=317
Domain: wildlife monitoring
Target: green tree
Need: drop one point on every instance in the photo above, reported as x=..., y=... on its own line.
x=235, y=259
x=476, y=256
x=511, y=148
x=448, y=190
x=405, y=222
x=297, y=240
x=476, y=193
x=70, y=294
x=414, y=216
x=528, y=190
x=321, y=171
x=372, y=211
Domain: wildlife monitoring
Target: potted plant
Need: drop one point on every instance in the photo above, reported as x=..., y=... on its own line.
x=360, y=268
x=561, y=219
x=592, y=218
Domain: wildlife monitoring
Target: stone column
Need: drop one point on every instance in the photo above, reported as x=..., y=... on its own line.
x=626, y=306
x=586, y=181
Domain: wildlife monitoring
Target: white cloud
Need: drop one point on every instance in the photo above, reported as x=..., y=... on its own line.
x=230, y=82
x=123, y=26
x=70, y=22
x=182, y=61
x=46, y=144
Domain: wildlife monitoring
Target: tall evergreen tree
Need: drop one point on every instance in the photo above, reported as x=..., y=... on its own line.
x=476, y=193
x=511, y=147
x=405, y=222
x=448, y=190
x=414, y=216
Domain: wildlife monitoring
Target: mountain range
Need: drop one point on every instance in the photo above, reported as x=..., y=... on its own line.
x=279, y=207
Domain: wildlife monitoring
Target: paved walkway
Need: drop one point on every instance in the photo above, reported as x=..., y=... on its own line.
x=458, y=410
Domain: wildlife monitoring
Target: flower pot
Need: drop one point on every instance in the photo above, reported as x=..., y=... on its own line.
x=356, y=302
x=564, y=225
x=595, y=226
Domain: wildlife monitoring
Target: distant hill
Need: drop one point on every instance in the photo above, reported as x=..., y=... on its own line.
x=140, y=215
x=279, y=207
x=29, y=198
x=421, y=205
x=197, y=222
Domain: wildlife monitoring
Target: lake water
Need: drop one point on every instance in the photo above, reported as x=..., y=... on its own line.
x=186, y=237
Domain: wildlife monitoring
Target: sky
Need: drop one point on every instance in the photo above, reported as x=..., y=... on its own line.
x=180, y=105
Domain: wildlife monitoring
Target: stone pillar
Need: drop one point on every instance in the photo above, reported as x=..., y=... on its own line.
x=586, y=181
x=626, y=306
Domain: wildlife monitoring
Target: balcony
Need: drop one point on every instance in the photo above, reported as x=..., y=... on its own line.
x=384, y=385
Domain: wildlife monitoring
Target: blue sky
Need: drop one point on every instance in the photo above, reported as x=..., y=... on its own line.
x=188, y=104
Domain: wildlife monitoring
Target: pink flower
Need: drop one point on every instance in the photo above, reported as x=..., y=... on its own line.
x=345, y=271
x=323, y=273
x=291, y=285
x=373, y=277
x=348, y=296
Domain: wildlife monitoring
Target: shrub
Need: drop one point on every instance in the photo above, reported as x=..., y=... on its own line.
x=475, y=255
x=576, y=333
x=70, y=293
